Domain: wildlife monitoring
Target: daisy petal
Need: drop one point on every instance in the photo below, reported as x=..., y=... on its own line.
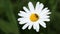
x=37, y=6
x=30, y=26
x=25, y=9
x=22, y=14
x=34, y=26
x=25, y=26
x=46, y=19
x=46, y=11
x=31, y=7
x=22, y=20
x=43, y=24
x=49, y=13
x=41, y=6
x=37, y=28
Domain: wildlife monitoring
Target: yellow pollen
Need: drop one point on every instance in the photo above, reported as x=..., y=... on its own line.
x=34, y=17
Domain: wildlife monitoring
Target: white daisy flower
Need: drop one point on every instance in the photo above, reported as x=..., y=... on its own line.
x=34, y=16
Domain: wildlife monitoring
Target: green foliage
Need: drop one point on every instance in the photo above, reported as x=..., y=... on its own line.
x=8, y=17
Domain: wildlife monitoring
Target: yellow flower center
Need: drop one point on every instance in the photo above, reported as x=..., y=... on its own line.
x=34, y=17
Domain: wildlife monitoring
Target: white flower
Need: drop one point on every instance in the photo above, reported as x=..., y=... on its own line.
x=34, y=16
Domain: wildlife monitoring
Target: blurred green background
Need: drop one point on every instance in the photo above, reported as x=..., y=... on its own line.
x=8, y=17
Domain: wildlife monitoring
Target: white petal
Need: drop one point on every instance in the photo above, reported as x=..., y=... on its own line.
x=46, y=19
x=34, y=26
x=30, y=26
x=45, y=11
x=22, y=14
x=18, y=19
x=43, y=24
x=31, y=7
x=22, y=20
x=37, y=6
x=25, y=9
x=37, y=28
x=49, y=13
x=25, y=26
x=41, y=6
